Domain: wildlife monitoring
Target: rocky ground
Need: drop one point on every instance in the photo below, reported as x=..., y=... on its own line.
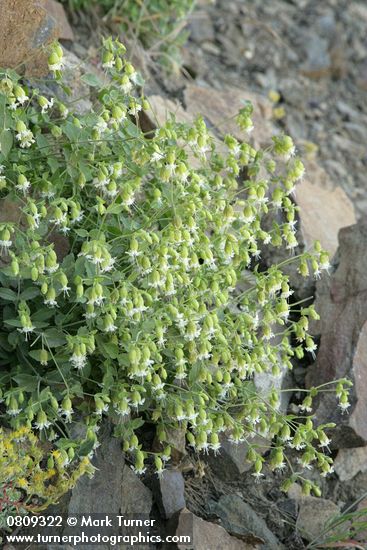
x=303, y=63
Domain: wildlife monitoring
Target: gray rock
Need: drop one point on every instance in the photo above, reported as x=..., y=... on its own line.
x=136, y=497
x=238, y=518
x=315, y=194
x=106, y=483
x=176, y=439
x=230, y=462
x=114, y=489
x=201, y=27
x=171, y=493
x=349, y=462
x=318, y=58
x=74, y=68
x=266, y=381
x=206, y=535
x=314, y=515
x=342, y=305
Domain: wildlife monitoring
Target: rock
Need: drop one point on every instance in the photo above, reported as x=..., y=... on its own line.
x=162, y=108
x=25, y=29
x=324, y=210
x=318, y=62
x=313, y=515
x=201, y=27
x=266, y=381
x=230, y=463
x=349, y=462
x=176, y=440
x=238, y=518
x=136, y=497
x=119, y=490
x=61, y=244
x=171, y=493
x=219, y=107
x=114, y=489
x=342, y=305
x=57, y=12
x=107, y=482
x=206, y=535
x=74, y=69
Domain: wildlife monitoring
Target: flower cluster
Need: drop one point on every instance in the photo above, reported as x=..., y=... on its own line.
x=139, y=315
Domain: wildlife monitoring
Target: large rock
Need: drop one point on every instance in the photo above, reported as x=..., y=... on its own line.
x=171, y=493
x=78, y=96
x=136, y=498
x=349, y=462
x=230, y=462
x=238, y=518
x=25, y=28
x=57, y=12
x=219, y=109
x=176, y=439
x=114, y=489
x=314, y=515
x=324, y=210
x=106, y=483
x=206, y=535
x=342, y=304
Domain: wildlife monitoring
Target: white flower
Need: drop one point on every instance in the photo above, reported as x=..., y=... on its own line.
x=13, y=412
x=5, y=244
x=42, y=425
x=78, y=361
x=126, y=86
x=27, y=330
x=156, y=156
x=215, y=447
x=65, y=289
x=134, y=109
x=47, y=105
x=108, y=64
x=138, y=471
x=57, y=66
x=23, y=186
x=25, y=137
x=50, y=302
x=110, y=327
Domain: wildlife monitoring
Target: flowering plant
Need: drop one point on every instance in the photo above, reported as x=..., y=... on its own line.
x=141, y=318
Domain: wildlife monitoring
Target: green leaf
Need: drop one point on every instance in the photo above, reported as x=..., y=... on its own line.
x=54, y=338
x=53, y=163
x=13, y=322
x=28, y=382
x=42, y=315
x=6, y=142
x=8, y=294
x=109, y=349
x=82, y=233
x=86, y=447
x=136, y=423
x=30, y=293
x=35, y=354
x=115, y=209
x=92, y=80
